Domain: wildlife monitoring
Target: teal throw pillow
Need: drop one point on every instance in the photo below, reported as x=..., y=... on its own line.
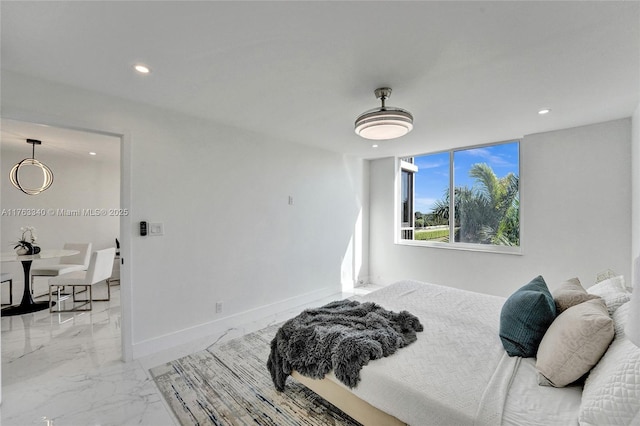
x=525, y=318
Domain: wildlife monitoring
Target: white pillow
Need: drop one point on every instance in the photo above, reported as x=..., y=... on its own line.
x=611, y=393
x=574, y=343
x=614, y=292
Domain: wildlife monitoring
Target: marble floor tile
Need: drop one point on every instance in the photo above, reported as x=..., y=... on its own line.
x=65, y=369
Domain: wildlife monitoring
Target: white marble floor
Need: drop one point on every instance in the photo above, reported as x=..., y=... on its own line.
x=65, y=369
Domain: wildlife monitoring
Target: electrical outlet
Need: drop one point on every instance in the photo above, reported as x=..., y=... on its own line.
x=218, y=307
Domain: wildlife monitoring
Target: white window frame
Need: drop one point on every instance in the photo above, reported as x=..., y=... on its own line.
x=487, y=248
x=411, y=169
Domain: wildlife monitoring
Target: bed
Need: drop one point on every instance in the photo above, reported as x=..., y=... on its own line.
x=458, y=372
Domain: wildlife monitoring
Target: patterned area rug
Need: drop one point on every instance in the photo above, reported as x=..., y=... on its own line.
x=229, y=384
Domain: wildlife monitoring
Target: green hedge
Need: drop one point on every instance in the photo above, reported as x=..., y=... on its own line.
x=431, y=234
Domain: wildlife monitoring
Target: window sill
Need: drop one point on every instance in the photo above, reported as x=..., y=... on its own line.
x=464, y=247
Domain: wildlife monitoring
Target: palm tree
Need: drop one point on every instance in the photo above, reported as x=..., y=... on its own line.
x=491, y=214
x=487, y=213
x=440, y=208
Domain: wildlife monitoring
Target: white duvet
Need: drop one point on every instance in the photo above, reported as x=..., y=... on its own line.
x=457, y=372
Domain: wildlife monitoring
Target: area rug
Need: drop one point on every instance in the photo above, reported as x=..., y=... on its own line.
x=229, y=384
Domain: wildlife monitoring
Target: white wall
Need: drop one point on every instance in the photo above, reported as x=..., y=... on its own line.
x=635, y=187
x=635, y=161
x=79, y=183
x=222, y=193
x=576, y=217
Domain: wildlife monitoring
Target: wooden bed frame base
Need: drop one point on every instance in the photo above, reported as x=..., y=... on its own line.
x=355, y=407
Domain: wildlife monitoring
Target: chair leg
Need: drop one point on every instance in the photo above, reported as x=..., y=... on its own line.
x=51, y=304
x=58, y=298
x=10, y=281
x=73, y=299
x=108, y=293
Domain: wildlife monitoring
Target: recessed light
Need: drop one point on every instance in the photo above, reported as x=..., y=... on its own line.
x=375, y=145
x=92, y=153
x=142, y=69
x=544, y=111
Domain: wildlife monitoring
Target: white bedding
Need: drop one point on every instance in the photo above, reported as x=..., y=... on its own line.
x=531, y=405
x=457, y=372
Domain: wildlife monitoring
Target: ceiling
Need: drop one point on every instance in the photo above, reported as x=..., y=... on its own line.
x=58, y=141
x=469, y=72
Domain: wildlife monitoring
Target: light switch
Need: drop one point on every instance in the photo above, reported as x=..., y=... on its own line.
x=156, y=228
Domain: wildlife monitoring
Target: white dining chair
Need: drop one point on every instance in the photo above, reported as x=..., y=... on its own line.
x=6, y=277
x=76, y=262
x=99, y=270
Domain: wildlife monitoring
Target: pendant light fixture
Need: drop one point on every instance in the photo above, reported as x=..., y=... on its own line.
x=47, y=174
x=384, y=122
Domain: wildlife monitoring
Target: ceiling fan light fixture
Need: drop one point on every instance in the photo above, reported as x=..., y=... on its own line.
x=384, y=122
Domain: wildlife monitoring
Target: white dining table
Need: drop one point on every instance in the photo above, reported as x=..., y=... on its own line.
x=28, y=305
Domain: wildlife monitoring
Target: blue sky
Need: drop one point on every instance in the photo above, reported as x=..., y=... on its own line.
x=432, y=178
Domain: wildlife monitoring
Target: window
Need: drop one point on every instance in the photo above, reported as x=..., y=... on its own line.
x=479, y=184
x=407, y=170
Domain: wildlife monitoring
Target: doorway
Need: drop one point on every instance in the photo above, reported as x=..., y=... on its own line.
x=84, y=203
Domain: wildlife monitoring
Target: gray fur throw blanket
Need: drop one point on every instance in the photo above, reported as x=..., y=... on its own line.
x=342, y=335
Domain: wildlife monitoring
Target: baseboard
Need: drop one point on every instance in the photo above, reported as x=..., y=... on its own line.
x=167, y=341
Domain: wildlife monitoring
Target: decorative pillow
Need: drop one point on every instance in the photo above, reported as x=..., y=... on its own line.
x=611, y=393
x=525, y=317
x=613, y=291
x=570, y=293
x=574, y=343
